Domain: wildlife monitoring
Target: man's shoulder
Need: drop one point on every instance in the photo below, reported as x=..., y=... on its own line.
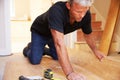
x=87, y=17
x=58, y=5
x=88, y=13
x=58, y=9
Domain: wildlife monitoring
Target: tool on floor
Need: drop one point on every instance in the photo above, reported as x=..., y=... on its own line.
x=48, y=74
x=31, y=78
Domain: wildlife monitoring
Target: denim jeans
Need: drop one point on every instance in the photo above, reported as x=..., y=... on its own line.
x=38, y=43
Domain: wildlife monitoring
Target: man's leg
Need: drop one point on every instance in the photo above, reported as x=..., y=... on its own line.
x=27, y=50
x=52, y=50
x=37, y=48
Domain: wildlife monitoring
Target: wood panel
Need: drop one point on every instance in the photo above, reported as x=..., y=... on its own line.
x=20, y=66
x=82, y=61
x=107, y=69
x=109, y=27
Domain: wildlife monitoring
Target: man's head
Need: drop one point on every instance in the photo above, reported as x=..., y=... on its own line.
x=82, y=2
x=78, y=8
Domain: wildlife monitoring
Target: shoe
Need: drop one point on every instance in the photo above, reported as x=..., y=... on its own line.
x=25, y=50
x=47, y=52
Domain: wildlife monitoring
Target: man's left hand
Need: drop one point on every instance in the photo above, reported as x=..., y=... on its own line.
x=99, y=55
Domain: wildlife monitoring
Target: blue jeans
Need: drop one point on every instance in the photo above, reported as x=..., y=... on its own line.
x=36, y=50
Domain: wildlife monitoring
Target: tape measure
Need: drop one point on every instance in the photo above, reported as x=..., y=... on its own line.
x=48, y=74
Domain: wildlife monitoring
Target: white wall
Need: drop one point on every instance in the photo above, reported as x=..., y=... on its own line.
x=21, y=9
x=5, y=48
x=102, y=6
x=37, y=7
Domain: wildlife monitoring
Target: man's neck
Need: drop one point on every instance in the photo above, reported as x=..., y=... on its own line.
x=72, y=21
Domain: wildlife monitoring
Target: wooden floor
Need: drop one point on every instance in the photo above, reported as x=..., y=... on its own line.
x=82, y=61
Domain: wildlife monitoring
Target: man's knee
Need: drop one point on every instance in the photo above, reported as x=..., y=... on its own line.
x=35, y=62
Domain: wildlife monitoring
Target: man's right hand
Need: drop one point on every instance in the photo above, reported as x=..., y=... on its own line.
x=75, y=76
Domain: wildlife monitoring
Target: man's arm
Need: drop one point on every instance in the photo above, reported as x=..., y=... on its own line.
x=61, y=51
x=92, y=44
x=63, y=56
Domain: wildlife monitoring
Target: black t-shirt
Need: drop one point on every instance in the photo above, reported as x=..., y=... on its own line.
x=57, y=17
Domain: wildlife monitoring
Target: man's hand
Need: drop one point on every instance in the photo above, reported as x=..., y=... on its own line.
x=75, y=76
x=99, y=55
x=91, y=42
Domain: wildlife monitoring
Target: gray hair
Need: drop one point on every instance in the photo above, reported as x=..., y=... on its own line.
x=82, y=2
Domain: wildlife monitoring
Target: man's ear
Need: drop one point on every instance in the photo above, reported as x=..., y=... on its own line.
x=68, y=5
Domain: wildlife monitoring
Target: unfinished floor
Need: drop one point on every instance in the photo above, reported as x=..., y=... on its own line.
x=83, y=61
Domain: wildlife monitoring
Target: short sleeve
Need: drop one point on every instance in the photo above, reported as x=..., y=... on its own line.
x=86, y=27
x=56, y=18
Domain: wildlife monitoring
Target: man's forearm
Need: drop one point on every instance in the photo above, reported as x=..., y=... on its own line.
x=61, y=51
x=64, y=59
x=91, y=42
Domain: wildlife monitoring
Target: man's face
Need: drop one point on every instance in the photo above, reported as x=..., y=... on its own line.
x=77, y=12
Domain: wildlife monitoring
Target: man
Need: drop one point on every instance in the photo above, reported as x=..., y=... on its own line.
x=50, y=27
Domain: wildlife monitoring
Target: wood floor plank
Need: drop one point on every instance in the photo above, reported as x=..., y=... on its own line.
x=20, y=66
x=108, y=68
x=82, y=61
